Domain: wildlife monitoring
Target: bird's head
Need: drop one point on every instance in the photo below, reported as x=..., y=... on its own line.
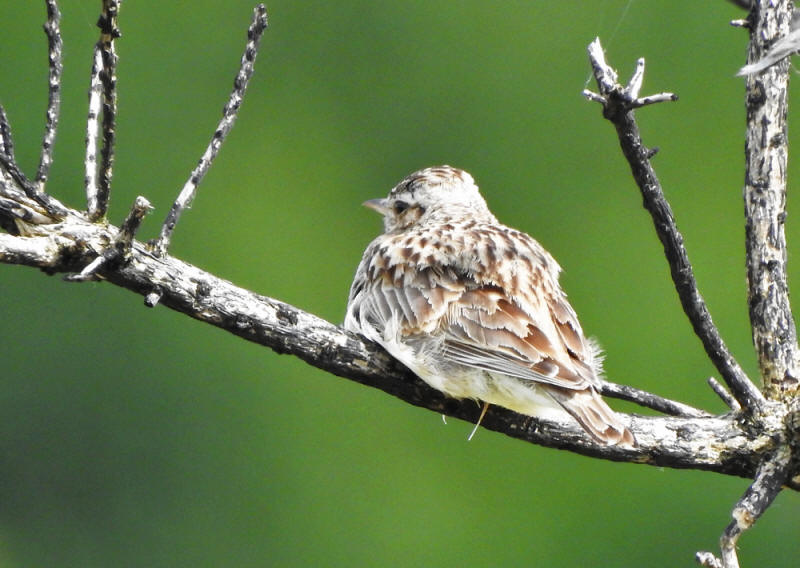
x=437, y=194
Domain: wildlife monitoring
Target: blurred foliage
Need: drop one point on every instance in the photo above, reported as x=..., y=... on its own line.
x=136, y=437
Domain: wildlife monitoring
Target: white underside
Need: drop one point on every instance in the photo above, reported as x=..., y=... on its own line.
x=462, y=382
x=519, y=395
x=458, y=381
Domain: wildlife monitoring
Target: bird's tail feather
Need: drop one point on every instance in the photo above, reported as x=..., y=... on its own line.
x=594, y=415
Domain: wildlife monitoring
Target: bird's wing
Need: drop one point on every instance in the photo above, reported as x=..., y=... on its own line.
x=488, y=330
x=479, y=323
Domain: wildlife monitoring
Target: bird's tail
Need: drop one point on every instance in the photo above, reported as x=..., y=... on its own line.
x=594, y=415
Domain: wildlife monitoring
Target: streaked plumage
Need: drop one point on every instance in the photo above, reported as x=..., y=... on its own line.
x=474, y=308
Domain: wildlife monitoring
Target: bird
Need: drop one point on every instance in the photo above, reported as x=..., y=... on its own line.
x=474, y=308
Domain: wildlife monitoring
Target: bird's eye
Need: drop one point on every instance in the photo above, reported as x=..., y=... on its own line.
x=399, y=207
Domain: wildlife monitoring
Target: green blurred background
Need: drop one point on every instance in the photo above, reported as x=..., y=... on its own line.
x=138, y=437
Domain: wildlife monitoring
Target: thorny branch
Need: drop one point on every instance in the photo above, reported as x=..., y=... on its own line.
x=750, y=442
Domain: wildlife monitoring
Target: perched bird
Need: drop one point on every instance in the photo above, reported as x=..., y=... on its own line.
x=474, y=308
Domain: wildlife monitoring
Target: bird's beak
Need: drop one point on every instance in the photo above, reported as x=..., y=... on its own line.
x=378, y=205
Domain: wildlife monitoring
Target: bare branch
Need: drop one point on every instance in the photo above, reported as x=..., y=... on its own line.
x=229, y=113
x=649, y=400
x=124, y=241
x=771, y=320
x=102, y=97
x=618, y=109
x=89, y=272
x=119, y=251
x=41, y=251
x=6, y=140
x=721, y=392
x=93, y=206
x=10, y=173
x=653, y=99
x=718, y=444
x=10, y=167
x=13, y=208
x=108, y=77
x=770, y=478
x=53, y=32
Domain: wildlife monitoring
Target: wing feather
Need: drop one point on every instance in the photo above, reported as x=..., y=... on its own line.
x=483, y=325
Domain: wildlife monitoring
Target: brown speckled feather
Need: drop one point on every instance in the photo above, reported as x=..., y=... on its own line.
x=474, y=307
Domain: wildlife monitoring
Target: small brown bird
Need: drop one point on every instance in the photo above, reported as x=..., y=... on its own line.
x=474, y=308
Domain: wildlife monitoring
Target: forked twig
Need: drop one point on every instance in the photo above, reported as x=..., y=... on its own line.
x=770, y=478
x=186, y=196
x=618, y=104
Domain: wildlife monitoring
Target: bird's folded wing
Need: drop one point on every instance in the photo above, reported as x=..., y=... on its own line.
x=481, y=327
x=485, y=330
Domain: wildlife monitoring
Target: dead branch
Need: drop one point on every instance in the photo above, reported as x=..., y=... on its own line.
x=753, y=441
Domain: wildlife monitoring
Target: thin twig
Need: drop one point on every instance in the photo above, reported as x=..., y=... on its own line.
x=653, y=99
x=92, y=130
x=108, y=78
x=51, y=28
x=16, y=209
x=721, y=392
x=6, y=140
x=124, y=241
x=10, y=167
x=52, y=206
x=617, y=109
x=89, y=272
x=16, y=206
x=229, y=113
x=650, y=400
x=769, y=480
